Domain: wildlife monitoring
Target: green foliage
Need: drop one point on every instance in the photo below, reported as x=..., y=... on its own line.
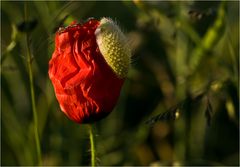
x=185, y=61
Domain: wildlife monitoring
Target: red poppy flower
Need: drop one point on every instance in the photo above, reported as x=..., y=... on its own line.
x=87, y=87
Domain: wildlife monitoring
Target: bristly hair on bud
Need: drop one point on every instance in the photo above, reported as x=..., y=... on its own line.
x=113, y=46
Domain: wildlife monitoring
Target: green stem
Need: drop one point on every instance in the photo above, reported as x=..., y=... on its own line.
x=91, y=137
x=35, y=117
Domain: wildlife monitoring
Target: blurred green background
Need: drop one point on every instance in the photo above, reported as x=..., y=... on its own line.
x=185, y=54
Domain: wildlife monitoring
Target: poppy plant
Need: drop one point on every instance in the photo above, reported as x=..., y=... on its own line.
x=88, y=68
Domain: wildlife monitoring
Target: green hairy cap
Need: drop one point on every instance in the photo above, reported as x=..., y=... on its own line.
x=113, y=46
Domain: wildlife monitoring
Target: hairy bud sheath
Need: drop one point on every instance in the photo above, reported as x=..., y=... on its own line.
x=87, y=69
x=113, y=46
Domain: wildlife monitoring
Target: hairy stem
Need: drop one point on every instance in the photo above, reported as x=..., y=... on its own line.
x=91, y=137
x=34, y=110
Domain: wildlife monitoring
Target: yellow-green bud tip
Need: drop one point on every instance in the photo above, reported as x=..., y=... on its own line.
x=113, y=46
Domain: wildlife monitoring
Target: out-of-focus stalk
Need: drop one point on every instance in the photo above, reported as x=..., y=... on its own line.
x=34, y=110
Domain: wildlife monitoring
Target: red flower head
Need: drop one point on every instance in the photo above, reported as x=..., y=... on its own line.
x=88, y=68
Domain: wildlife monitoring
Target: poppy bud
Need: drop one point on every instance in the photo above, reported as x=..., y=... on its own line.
x=88, y=68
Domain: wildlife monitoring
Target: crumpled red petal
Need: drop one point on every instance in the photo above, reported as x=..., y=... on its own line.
x=85, y=86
